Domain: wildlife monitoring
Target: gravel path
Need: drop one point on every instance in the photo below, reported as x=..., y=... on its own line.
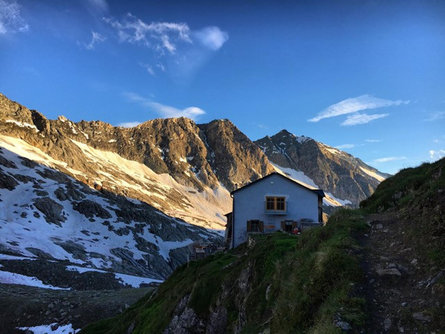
x=402, y=293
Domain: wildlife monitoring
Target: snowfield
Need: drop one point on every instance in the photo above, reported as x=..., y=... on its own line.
x=45, y=210
x=13, y=278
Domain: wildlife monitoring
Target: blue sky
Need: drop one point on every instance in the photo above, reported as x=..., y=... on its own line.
x=364, y=76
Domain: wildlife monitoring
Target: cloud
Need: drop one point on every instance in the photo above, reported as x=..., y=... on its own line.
x=436, y=155
x=388, y=159
x=163, y=110
x=355, y=104
x=178, y=50
x=169, y=112
x=100, y=6
x=161, y=36
x=345, y=146
x=11, y=19
x=148, y=68
x=357, y=119
x=262, y=126
x=212, y=37
x=373, y=140
x=436, y=116
x=95, y=39
x=129, y=124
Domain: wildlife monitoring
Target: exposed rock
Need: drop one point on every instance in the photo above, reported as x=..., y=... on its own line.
x=28, y=163
x=389, y=272
x=51, y=209
x=387, y=324
x=421, y=316
x=90, y=209
x=6, y=163
x=185, y=320
x=7, y=181
x=343, y=325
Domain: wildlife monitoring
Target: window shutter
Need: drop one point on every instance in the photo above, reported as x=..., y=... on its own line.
x=249, y=226
x=261, y=226
x=283, y=225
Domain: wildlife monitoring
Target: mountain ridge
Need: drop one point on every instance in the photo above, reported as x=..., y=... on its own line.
x=200, y=155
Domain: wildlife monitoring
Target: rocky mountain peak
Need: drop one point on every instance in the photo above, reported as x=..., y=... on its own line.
x=333, y=170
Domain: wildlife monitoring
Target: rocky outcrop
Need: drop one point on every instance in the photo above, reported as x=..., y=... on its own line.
x=51, y=209
x=234, y=158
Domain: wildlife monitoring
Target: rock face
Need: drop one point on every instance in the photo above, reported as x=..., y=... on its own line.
x=190, y=168
x=334, y=171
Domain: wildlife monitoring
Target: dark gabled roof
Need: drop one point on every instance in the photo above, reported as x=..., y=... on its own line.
x=319, y=192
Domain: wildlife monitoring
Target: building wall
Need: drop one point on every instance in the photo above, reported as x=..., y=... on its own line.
x=249, y=204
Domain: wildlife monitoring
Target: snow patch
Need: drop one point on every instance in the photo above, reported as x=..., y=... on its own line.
x=296, y=175
x=22, y=124
x=48, y=329
x=134, y=281
x=7, y=277
x=373, y=174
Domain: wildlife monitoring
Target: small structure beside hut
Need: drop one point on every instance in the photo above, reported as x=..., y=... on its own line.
x=200, y=250
x=272, y=203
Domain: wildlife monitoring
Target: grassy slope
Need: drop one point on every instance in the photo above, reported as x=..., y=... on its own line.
x=310, y=279
x=416, y=195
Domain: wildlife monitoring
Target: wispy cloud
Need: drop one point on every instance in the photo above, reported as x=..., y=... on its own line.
x=161, y=36
x=355, y=104
x=435, y=116
x=148, y=68
x=96, y=38
x=262, y=126
x=436, y=154
x=388, y=159
x=165, y=111
x=357, y=119
x=345, y=146
x=178, y=49
x=99, y=6
x=129, y=124
x=373, y=140
x=11, y=19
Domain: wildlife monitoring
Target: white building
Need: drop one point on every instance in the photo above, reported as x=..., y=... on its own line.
x=272, y=203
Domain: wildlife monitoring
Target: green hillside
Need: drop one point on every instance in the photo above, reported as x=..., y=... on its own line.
x=280, y=282
x=417, y=196
x=312, y=283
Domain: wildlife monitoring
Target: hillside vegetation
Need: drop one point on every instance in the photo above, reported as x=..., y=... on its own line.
x=278, y=282
x=322, y=281
x=417, y=196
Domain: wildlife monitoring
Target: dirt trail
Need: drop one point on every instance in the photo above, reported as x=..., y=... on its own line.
x=401, y=290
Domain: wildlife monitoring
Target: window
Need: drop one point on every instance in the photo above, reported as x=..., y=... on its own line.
x=255, y=226
x=275, y=203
